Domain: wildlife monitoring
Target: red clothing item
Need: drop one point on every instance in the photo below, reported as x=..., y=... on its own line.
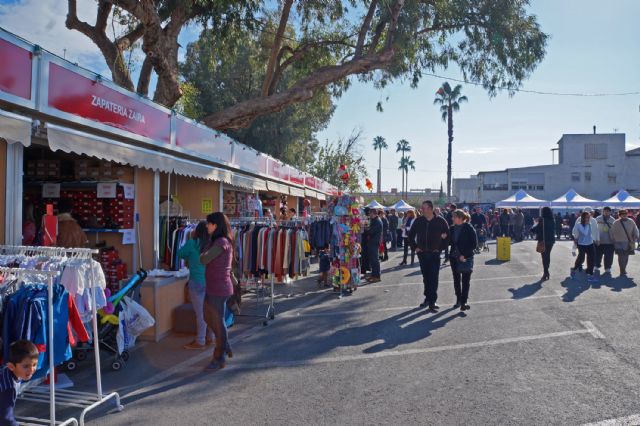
x=76, y=323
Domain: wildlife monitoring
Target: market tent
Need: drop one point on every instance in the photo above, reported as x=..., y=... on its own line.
x=402, y=206
x=523, y=200
x=375, y=205
x=573, y=200
x=622, y=200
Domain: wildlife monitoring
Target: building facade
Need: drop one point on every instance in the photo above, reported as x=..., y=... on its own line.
x=595, y=165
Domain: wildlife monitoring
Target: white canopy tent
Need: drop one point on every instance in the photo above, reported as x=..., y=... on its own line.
x=574, y=200
x=622, y=200
x=402, y=206
x=523, y=200
x=375, y=205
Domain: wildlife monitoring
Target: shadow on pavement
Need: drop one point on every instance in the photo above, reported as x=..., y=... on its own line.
x=575, y=287
x=526, y=290
x=495, y=262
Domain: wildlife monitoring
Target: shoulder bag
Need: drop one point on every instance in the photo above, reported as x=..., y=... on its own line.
x=631, y=249
x=540, y=248
x=465, y=267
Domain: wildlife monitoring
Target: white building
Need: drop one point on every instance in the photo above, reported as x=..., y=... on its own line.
x=595, y=165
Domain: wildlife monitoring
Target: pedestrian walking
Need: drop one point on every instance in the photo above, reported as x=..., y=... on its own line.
x=605, y=248
x=386, y=238
x=586, y=235
x=196, y=284
x=544, y=232
x=624, y=234
x=463, y=241
x=410, y=218
x=393, y=226
x=399, y=242
x=429, y=236
x=218, y=258
x=558, y=221
x=448, y=216
x=373, y=245
x=504, y=223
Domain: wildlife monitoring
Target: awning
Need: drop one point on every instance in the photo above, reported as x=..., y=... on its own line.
x=248, y=182
x=69, y=140
x=310, y=193
x=277, y=187
x=296, y=192
x=321, y=196
x=15, y=128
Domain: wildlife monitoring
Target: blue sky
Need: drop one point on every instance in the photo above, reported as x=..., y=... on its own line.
x=593, y=49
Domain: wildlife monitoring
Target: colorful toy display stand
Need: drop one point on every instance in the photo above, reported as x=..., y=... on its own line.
x=347, y=227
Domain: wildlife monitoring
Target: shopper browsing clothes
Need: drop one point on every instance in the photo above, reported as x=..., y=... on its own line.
x=463, y=241
x=429, y=236
x=605, y=249
x=545, y=235
x=624, y=234
x=217, y=258
x=196, y=285
x=70, y=234
x=373, y=244
x=586, y=236
x=410, y=218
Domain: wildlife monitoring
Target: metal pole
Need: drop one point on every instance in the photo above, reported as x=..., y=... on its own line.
x=96, y=342
x=52, y=385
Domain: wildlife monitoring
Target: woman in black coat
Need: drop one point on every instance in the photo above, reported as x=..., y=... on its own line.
x=545, y=231
x=463, y=241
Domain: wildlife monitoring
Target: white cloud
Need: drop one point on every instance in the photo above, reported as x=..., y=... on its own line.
x=43, y=23
x=478, y=151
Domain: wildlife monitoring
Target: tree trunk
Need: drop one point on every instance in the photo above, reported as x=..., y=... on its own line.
x=450, y=128
x=380, y=172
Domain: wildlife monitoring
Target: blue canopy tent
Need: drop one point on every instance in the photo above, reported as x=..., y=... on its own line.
x=522, y=200
x=574, y=200
x=622, y=200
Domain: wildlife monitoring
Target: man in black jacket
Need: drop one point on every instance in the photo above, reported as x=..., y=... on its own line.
x=374, y=235
x=429, y=235
x=393, y=227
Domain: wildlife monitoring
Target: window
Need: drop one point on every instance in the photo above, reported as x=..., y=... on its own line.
x=587, y=176
x=518, y=184
x=535, y=187
x=495, y=187
x=595, y=151
x=612, y=178
x=575, y=177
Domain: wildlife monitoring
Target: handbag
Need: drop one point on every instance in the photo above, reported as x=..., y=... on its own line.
x=465, y=267
x=631, y=249
x=540, y=248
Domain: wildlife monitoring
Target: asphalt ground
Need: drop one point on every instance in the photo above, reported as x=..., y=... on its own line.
x=559, y=352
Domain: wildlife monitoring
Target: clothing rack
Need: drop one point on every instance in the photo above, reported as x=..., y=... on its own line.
x=19, y=273
x=85, y=400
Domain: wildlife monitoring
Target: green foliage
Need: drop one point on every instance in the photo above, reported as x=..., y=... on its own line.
x=447, y=97
x=332, y=155
x=223, y=71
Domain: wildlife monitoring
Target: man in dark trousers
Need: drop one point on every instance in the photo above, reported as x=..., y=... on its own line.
x=393, y=227
x=374, y=235
x=449, y=218
x=429, y=235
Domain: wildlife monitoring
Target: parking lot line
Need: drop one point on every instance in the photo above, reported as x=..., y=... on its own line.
x=633, y=420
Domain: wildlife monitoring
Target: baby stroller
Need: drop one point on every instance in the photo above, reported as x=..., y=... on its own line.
x=108, y=328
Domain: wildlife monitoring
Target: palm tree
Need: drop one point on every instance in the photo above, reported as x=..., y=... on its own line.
x=411, y=164
x=379, y=143
x=449, y=101
x=403, y=146
x=404, y=168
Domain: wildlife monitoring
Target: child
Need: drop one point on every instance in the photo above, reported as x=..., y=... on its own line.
x=325, y=267
x=22, y=363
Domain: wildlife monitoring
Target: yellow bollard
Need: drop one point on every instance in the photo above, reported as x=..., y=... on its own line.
x=503, y=248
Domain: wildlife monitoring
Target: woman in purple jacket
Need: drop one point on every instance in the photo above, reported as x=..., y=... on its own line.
x=217, y=258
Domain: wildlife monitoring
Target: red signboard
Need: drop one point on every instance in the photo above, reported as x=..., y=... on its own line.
x=15, y=70
x=311, y=182
x=204, y=141
x=75, y=94
x=277, y=170
x=297, y=176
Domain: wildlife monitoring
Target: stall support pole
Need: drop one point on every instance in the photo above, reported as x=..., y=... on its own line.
x=52, y=371
x=96, y=342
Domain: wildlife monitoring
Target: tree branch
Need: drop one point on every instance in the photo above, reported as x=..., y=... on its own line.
x=364, y=29
x=145, y=77
x=242, y=114
x=284, y=19
x=375, y=40
x=127, y=40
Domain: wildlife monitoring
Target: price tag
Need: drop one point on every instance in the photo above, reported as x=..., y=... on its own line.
x=207, y=205
x=51, y=190
x=128, y=236
x=129, y=191
x=107, y=190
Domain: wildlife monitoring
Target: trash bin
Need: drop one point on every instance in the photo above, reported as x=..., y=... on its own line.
x=503, y=250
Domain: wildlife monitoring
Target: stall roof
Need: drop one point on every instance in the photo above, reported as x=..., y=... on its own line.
x=573, y=199
x=521, y=199
x=622, y=200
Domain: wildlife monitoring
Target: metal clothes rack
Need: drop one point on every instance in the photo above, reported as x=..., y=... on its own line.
x=18, y=273
x=87, y=401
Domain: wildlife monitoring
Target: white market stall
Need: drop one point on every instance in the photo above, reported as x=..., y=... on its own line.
x=622, y=200
x=375, y=205
x=522, y=200
x=402, y=206
x=572, y=200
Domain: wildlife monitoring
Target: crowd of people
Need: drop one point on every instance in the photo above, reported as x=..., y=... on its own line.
x=451, y=235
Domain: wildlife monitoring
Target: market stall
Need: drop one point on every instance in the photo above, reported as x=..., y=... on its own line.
x=571, y=199
x=521, y=200
x=622, y=200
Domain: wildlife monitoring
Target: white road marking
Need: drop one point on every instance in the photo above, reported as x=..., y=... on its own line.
x=633, y=420
x=592, y=329
x=445, y=282
x=407, y=308
x=396, y=353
